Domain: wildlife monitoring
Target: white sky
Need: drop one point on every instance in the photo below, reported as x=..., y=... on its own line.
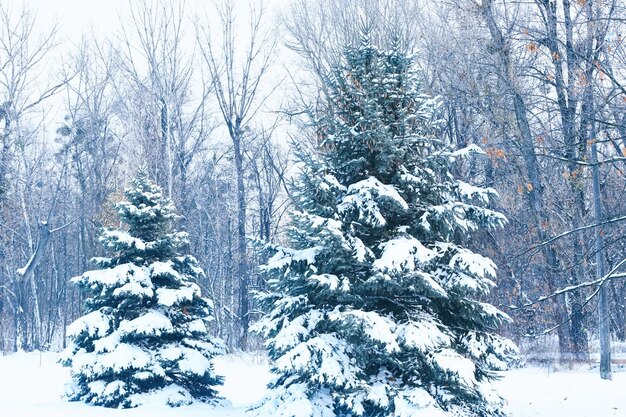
x=76, y=18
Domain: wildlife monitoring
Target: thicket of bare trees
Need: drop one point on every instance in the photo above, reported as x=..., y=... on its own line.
x=540, y=86
x=158, y=93
x=537, y=85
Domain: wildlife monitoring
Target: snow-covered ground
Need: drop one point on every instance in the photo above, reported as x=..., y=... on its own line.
x=539, y=392
x=31, y=385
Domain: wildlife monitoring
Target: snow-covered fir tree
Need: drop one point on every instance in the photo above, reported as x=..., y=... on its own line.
x=146, y=328
x=374, y=307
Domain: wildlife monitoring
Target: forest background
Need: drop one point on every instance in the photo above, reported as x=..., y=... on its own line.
x=211, y=97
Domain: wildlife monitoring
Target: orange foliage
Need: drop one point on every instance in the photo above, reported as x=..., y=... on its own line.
x=532, y=47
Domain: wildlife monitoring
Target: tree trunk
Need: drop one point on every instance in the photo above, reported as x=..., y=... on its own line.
x=164, y=179
x=567, y=104
x=29, y=271
x=242, y=266
x=603, y=313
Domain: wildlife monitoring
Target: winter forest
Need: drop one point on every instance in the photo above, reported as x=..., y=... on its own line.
x=341, y=208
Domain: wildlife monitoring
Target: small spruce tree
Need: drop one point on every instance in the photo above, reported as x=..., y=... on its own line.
x=145, y=331
x=374, y=308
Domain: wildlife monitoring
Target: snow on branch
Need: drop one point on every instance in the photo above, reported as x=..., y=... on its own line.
x=569, y=232
x=599, y=282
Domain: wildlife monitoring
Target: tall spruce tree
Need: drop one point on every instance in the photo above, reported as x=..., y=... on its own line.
x=374, y=307
x=145, y=332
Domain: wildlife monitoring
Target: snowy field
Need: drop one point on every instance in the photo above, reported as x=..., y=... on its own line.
x=31, y=386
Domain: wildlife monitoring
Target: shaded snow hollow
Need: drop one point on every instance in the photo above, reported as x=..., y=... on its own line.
x=31, y=385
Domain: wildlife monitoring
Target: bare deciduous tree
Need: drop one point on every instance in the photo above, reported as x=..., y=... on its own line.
x=238, y=65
